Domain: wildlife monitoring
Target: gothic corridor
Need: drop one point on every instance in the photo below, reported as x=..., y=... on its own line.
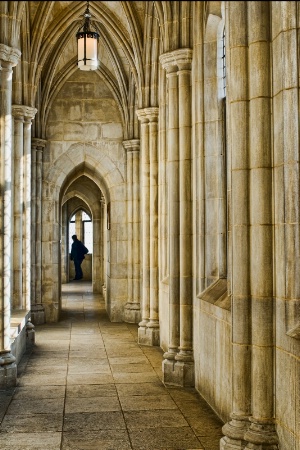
x=87, y=384
x=162, y=138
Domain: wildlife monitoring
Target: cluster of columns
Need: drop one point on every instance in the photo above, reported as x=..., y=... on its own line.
x=178, y=365
x=148, y=333
x=252, y=419
x=132, y=307
x=15, y=217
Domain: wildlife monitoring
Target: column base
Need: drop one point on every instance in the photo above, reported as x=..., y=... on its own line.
x=231, y=444
x=261, y=436
x=8, y=370
x=38, y=314
x=149, y=335
x=132, y=312
x=234, y=433
x=178, y=373
x=30, y=334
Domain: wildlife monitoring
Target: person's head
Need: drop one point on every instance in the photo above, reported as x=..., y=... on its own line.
x=74, y=237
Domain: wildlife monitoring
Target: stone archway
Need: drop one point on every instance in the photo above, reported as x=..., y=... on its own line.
x=96, y=165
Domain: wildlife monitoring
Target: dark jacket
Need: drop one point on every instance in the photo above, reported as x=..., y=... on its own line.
x=78, y=251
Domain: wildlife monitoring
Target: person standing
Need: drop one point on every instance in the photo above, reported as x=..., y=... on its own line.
x=78, y=251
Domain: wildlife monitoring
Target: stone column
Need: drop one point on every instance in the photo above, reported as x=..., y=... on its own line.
x=29, y=116
x=152, y=331
x=8, y=59
x=145, y=235
x=261, y=435
x=18, y=114
x=185, y=364
x=33, y=222
x=173, y=214
x=241, y=309
x=37, y=308
x=132, y=307
x=178, y=368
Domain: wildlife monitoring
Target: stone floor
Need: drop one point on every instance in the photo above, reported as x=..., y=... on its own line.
x=88, y=385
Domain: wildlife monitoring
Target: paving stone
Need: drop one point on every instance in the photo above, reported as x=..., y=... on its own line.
x=92, y=390
x=148, y=402
x=92, y=404
x=154, y=419
x=160, y=438
x=104, y=440
x=30, y=441
x=25, y=423
x=108, y=420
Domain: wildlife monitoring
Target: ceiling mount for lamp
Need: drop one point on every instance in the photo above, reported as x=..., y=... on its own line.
x=87, y=43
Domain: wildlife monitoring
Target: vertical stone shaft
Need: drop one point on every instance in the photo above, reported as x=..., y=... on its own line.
x=260, y=434
x=18, y=114
x=38, y=244
x=33, y=222
x=241, y=335
x=136, y=223
x=6, y=208
x=8, y=59
x=145, y=174
x=129, y=226
x=29, y=115
x=185, y=196
x=132, y=308
x=152, y=114
x=173, y=174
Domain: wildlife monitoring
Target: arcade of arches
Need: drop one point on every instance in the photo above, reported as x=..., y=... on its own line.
x=183, y=150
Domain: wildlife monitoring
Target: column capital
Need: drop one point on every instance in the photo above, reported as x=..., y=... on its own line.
x=132, y=145
x=142, y=116
x=23, y=111
x=152, y=113
x=180, y=58
x=9, y=54
x=38, y=143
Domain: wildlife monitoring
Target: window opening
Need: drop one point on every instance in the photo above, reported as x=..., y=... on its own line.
x=86, y=230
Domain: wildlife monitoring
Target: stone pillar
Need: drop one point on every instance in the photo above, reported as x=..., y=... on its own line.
x=104, y=244
x=178, y=368
x=8, y=59
x=17, y=297
x=173, y=215
x=37, y=308
x=132, y=307
x=152, y=331
x=241, y=308
x=149, y=327
x=185, y=360
x=261, y=435
x=33, y=222
x=29, y=116
x=145, y=235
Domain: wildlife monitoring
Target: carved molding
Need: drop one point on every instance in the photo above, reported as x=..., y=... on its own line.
x=23, y=111
x=40, y=143
x=9, y=54
x=181, y=58
x=132, y=145
x=149, y=114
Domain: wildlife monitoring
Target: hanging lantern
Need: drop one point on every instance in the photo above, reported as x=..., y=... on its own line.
x=87, y=43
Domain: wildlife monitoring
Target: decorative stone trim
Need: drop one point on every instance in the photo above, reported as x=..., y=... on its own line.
x=180, y=57
x=9, y=54
x=132, y=145
x=21, y=111
x=37, y=142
